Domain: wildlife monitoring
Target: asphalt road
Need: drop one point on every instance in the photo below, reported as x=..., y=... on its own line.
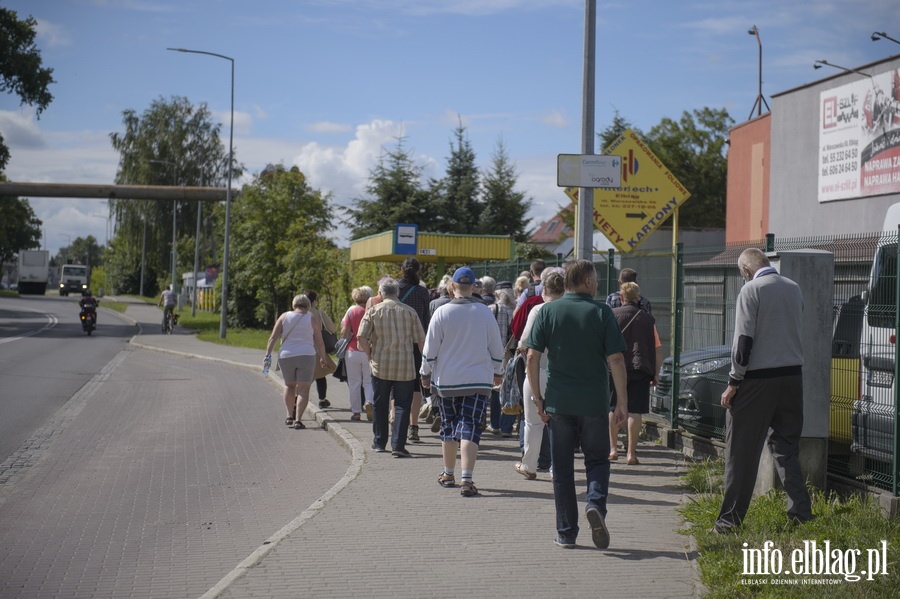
x=45, y=358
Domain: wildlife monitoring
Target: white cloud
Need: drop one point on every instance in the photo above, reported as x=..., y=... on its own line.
x=555, y=118
x=51, y=34
x=20, y=130
x=329, y=127
x=243, y=121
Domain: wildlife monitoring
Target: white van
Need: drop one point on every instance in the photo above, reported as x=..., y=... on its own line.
x=873, y=412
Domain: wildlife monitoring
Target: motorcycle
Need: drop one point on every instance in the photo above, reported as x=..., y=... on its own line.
x=88, y=320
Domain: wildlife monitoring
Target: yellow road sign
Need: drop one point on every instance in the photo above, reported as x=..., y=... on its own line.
x=648, y=195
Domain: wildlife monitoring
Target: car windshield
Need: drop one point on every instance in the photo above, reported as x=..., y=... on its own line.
x=74, y=271
x=883, y=295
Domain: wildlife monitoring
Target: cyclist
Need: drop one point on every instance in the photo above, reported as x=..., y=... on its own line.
x=167, y=301
x=88, y=304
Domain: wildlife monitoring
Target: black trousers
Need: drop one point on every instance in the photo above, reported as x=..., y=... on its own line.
x=764, y=411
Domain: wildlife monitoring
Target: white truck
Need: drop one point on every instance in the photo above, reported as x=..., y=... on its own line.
x=34, y=271
x=73, y=278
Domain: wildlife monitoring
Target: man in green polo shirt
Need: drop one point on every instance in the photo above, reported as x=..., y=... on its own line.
x=581, y=337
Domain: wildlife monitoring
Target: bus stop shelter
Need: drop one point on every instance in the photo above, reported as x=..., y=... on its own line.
x=435, y=248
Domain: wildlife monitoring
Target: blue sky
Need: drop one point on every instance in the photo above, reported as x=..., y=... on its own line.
x=325, y=84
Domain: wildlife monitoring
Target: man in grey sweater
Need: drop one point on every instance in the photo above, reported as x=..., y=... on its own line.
x=764, y=396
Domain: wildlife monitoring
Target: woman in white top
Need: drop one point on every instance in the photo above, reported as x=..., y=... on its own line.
x=300, y=331
x=553, y=289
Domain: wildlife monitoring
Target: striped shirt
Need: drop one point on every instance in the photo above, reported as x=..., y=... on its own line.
x=390, y=328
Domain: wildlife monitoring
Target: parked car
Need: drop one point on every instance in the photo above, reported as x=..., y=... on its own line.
x=704, y=376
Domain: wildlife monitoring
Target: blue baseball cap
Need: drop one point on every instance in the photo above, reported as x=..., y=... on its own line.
x=464, y=276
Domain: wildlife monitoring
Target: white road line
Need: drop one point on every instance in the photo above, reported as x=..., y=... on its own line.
x=52, y=321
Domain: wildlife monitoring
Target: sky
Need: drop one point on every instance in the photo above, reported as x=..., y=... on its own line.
x=327, y=85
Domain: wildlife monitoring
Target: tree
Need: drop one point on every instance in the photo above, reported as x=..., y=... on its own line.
x=20, y=229
x=21, y=69
x=456, y=196
x=171, y=143
x=505, y=209
x=279, y=245
x=694, y=150
x=616, y=128
x=396, y=196
x=83, y=250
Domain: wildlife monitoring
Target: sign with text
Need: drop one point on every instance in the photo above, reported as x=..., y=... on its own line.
x=859, y=138
x=587, y=170
x=647, y=195
x=406, y=239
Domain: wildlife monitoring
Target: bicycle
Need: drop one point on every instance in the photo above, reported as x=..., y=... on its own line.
x=170, y=322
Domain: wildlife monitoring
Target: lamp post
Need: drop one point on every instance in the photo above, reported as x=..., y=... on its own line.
x=818, y=65
x=223, y=319
x=877, y=35
x=760, y=99
x=143, y=252
x=174, y=219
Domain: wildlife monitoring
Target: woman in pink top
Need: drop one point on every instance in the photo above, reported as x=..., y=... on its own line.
x=359, y=376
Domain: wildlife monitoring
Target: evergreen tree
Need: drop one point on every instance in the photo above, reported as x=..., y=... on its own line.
x=396, y=196
x=505, y=209
x=457, y=202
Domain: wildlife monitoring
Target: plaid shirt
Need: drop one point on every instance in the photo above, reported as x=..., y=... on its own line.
x=390, y=328
x=418, y=299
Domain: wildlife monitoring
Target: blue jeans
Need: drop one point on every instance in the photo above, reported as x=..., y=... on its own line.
x=499, y=420
x=594, y=431
x=403, y=392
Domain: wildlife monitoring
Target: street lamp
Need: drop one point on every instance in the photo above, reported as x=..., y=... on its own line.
x=174, y=218
x=877, y=35
x=818, y=65
x=223, y=319
x=760, y=100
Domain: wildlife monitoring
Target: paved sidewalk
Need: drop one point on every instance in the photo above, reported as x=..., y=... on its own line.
x=389, y=530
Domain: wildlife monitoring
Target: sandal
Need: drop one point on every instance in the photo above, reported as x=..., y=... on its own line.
x=289, y=421
x=521, y=469
x=613, y=457
x=298, y=425
x=467, y=489
x=633, y=461
x=446, y=480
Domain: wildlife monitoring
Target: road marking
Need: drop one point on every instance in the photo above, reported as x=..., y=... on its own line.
x=52, y=321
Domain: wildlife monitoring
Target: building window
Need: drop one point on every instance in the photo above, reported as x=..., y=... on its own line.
x=552, y=226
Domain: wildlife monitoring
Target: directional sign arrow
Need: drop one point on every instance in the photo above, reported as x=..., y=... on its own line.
x=640, y=215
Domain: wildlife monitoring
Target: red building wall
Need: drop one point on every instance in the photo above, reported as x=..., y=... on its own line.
x=747, y=204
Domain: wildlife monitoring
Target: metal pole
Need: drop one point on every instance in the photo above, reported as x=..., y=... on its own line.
x=143, y=254
x=223, y=320
x=196, y=261
x=584, y=246
x=895, y=461
x=760, y=96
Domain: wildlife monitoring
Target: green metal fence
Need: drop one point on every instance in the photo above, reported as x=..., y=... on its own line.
x=693, y=291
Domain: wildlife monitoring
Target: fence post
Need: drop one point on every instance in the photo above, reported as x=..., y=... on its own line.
x=895, y=473
x=677, y=316
x=610, y=271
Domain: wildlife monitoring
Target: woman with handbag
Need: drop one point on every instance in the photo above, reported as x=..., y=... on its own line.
x=329, y=338
x=300, y=331
x=359, y=374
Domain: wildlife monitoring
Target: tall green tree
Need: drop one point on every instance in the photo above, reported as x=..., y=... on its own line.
x=279, y=245
x=457, y=197
x=395, y=196
x=172, y=142
x=694, y=149
x=82, y=250
x=505, y=209
x=20, y=229
x=21, y=69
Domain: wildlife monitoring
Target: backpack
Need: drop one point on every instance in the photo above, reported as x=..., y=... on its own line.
x=510, y=388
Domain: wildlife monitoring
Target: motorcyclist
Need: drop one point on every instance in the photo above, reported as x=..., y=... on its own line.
x=88, y=304
x=167, y=301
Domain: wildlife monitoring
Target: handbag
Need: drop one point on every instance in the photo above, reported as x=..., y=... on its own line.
x=330, y=341
x=510, y=389
x=340, y=348
x=329, y=367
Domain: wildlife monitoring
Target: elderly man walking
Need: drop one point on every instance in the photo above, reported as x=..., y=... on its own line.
x=387, y=334
x=581, y=337
x=462, y=362
x=764, y=396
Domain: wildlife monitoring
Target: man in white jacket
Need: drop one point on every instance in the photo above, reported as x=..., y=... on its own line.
x=462, y=361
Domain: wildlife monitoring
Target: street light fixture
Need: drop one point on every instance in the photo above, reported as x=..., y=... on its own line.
x=818, y=65
x=760, y=99
x=223, y=319
x=877, y=35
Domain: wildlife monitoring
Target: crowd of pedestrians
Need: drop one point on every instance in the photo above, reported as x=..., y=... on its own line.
x=453, y=344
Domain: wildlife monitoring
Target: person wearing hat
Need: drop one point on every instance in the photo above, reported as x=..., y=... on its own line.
x=462, y=362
